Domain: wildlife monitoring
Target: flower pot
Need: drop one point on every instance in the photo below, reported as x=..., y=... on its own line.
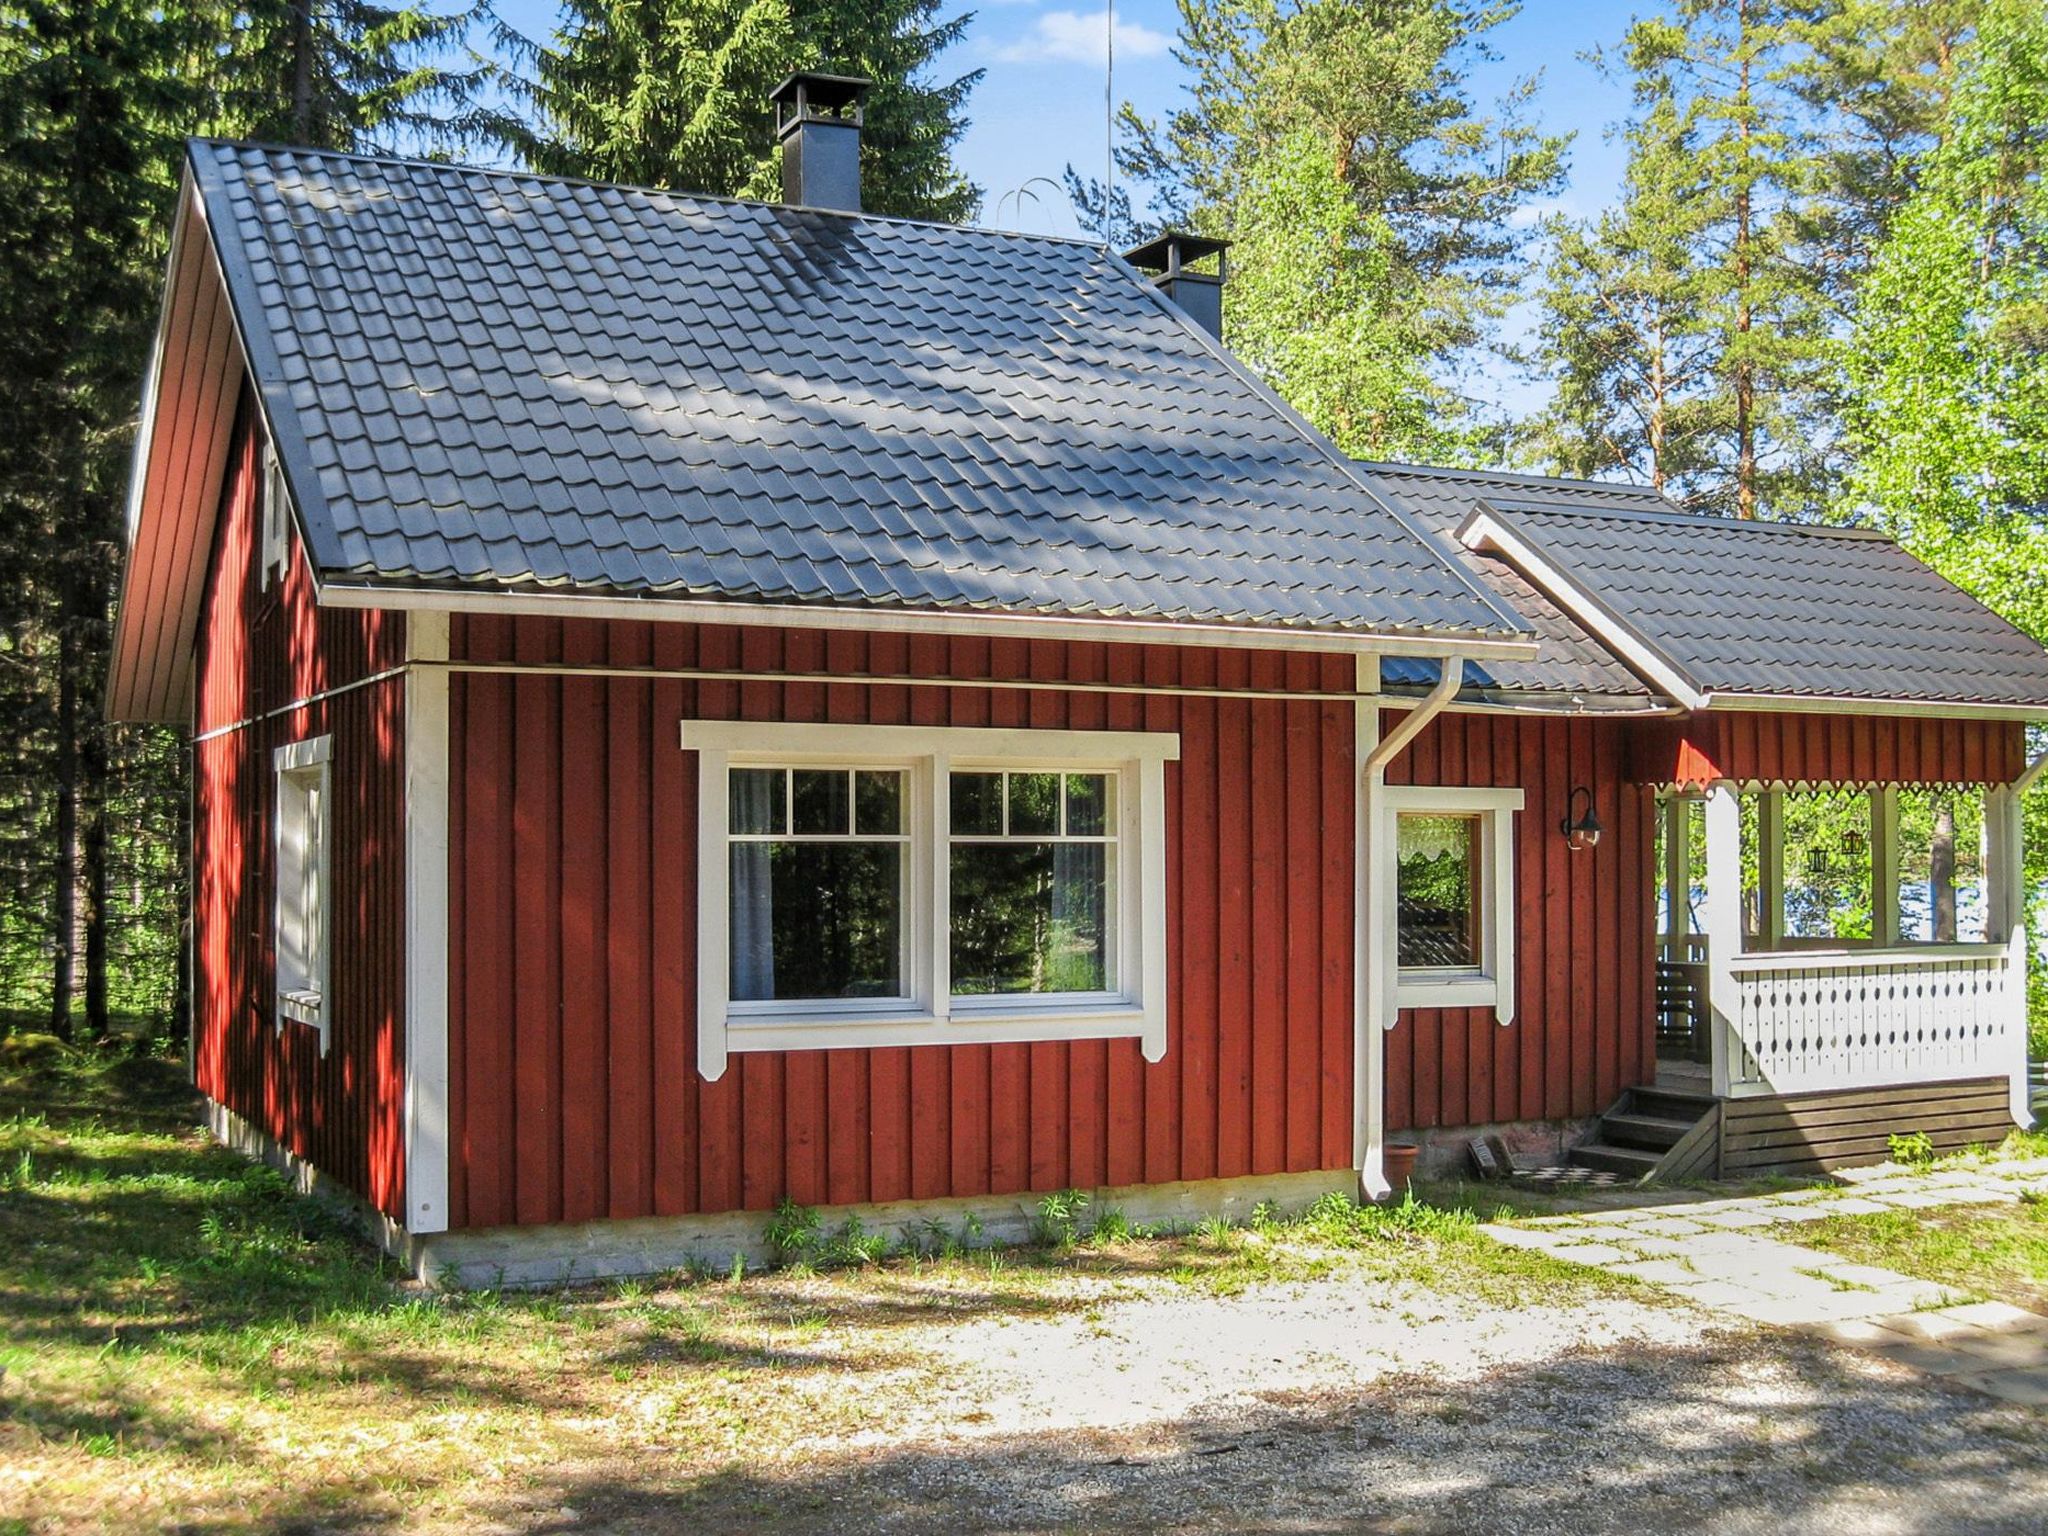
x=1399, y=1162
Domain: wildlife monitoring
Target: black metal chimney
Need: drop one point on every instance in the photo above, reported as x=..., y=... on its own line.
x=1199, y=293
x=817, y=123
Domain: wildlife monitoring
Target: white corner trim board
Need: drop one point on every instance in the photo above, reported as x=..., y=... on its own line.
x=929, y=1013
x=1492, y=983
x=426, y=924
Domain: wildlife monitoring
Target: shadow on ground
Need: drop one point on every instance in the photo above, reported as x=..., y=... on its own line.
x=1740, y=1434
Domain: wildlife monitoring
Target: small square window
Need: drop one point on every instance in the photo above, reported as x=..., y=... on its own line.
x=1453, y=885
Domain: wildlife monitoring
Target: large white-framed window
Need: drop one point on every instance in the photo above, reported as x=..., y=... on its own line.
x=302, y=924
x=910, y=885
x=1454, y=896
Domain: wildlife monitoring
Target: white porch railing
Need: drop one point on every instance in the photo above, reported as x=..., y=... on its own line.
x=1811, y=1020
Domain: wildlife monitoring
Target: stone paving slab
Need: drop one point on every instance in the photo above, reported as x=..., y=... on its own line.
x=1714, y=1253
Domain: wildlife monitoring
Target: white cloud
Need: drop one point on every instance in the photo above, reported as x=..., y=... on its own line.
x=1075, y=37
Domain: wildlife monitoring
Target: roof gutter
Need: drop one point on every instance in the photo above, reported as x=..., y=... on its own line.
x=1411, y=725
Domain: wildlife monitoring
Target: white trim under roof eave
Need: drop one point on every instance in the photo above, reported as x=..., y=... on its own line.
x=1816, y=704
x=1023, y=626
x=1486, y=530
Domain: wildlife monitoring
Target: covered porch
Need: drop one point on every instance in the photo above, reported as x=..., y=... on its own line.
x=1855, y=922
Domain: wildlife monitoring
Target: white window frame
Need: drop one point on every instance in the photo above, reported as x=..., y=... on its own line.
x=1491, y=984
x=303, y=882
x=930, y=1014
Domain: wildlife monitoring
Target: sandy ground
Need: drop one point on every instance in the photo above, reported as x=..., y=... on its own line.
x=1333, y=1406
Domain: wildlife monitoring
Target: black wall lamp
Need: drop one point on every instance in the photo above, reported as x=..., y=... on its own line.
x=1581, y=830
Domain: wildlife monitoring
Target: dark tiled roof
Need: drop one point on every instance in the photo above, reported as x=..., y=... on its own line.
x=1567, y=660
x=483, y=378
x=1787, y=610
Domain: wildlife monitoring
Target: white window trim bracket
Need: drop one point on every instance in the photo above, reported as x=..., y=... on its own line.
x=932, y=1016
x=1493, y=984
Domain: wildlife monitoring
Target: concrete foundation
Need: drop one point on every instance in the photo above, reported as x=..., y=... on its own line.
x=573, y=1253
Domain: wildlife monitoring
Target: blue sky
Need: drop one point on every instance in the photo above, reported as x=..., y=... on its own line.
x=1040, y=106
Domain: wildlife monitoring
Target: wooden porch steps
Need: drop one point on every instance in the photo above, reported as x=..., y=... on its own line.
x=1653, y=1134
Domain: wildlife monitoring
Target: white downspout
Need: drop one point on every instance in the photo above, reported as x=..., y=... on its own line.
x=1372, y=1000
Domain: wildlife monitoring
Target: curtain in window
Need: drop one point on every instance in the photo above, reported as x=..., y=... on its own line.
x=755, y=802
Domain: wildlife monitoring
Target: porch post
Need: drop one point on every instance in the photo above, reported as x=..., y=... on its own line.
x=1884, y=867
x=2006, y=922
x=1770, y=868
x=1677, y=868
x=1723, y=920
x=1369, y=950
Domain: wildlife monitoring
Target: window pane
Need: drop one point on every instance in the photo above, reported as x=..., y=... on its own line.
x=816, y=920
x=1436, y=893
x=1031, y=917
x=754, y=804
x=819, y=801
x=878, y=803
x=1087, y=804
x=1034, y=804
x=977, y=804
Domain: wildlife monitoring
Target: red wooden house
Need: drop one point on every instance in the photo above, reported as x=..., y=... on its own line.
x=698, y=703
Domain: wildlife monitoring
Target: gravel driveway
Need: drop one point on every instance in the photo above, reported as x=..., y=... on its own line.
x=1329, y=1406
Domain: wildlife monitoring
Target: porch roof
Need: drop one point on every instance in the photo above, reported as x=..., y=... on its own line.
x=1727, y=613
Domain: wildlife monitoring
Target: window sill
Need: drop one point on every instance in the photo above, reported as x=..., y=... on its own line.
x=299, y=1007
x=1450, y=992
x=977, y=1025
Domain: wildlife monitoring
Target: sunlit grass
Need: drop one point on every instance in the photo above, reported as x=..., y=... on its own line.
x=1987, y=1251
x=185, y=1341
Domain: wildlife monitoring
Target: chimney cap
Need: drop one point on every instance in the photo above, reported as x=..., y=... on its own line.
x=1173, y=250
x=808, y=93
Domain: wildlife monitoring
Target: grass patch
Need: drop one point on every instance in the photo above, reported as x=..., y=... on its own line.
x=1995, y=1251
x=185, y=1343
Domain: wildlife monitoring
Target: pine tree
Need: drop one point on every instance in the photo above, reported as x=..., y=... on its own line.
x=673, y=93
x=1414, y=219
x=1622, y=334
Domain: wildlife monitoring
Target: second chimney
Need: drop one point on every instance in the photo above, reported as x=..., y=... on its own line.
x=1199, y=293
x=817, y=123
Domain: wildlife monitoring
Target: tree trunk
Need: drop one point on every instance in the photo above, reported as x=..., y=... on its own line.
x=1941, y=871
x=181, y=996
x=93, y=762
x=1659, y=405
x=302, y=71
x=64, y=918
x=1745, y=374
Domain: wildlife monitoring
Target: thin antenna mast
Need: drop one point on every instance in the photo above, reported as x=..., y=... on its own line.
x=1108, y=120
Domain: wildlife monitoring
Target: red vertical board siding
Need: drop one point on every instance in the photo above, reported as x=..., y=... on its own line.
x=575, y=815
x=1584, y=956
x=259, y=651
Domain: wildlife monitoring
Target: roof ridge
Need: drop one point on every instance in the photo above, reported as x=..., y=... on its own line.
x=513, y=173
x=1773, y=525
x=1464, y=472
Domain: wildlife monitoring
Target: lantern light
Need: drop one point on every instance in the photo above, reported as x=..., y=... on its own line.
x=1581, y=830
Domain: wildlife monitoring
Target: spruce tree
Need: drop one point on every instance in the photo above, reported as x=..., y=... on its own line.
x=673, y=93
